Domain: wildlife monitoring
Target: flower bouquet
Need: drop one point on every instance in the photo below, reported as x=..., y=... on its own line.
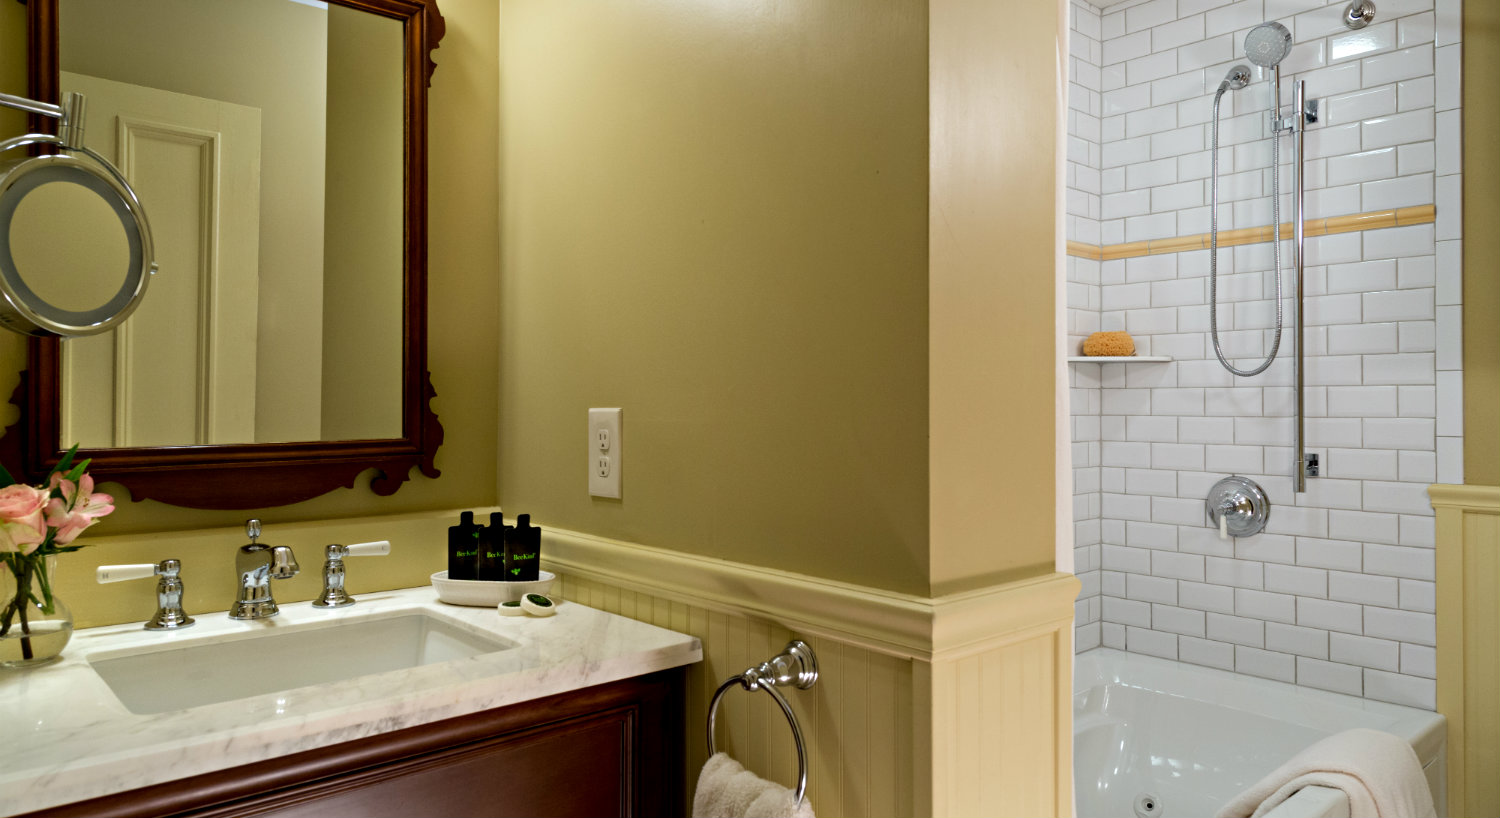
x=36, y=524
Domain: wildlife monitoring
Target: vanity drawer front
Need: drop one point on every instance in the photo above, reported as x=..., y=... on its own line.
x=580, y=767
x=613, y=749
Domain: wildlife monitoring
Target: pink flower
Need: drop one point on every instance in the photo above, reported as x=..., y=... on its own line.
x=22, y=528
x=76, y=509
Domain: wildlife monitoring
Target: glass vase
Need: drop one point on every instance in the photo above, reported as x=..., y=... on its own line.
x=35, y=625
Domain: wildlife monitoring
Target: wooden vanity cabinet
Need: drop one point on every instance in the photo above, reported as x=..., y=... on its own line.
x=612, y=749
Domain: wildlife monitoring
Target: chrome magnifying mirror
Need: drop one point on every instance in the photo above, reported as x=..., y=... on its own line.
x=75, y=245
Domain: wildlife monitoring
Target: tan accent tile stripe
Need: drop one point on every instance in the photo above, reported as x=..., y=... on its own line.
x=1135, y=248
x=1080, y=250
x=1180, y=244
x=1421, y=214
x=1374, y=220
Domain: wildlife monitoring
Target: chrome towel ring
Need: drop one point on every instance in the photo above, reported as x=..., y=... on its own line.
x=795, y=665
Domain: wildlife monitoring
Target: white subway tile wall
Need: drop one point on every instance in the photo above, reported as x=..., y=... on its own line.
x=1084, y=296
x=1338, y=593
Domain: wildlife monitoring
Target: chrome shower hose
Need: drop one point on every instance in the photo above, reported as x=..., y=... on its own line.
x=1213, y=244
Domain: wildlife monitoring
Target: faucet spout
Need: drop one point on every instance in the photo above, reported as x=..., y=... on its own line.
x=255, y=566
x=283, y=563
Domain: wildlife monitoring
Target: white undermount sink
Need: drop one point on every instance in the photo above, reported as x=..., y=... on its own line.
x=275, y=660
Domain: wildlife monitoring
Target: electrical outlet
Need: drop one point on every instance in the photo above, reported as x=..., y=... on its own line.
x=604, y=453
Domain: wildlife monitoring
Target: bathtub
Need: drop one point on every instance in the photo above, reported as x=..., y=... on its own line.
x=1159, y=739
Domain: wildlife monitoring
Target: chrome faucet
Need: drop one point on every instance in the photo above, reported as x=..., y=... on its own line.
x=169, y=614
x=256, y=565
x=334, y=595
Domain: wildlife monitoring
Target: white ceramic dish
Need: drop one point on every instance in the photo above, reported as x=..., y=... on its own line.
x=476, y=593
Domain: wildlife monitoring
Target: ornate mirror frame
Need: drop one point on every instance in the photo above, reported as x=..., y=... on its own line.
x=240, y=476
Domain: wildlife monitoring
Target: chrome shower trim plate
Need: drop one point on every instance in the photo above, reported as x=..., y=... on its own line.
x=1359, y=14
x=1243, y=505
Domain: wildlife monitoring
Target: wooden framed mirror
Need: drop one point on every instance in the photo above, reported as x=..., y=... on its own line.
x=280, y=149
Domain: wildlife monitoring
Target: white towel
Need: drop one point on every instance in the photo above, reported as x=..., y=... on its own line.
x=1378, y=771
x=728, y=790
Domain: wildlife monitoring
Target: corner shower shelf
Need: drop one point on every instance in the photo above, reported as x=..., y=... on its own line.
x=1118, y=359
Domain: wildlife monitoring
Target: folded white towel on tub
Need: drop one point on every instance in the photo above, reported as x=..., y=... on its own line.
x=1378, y=771
x=728, y=790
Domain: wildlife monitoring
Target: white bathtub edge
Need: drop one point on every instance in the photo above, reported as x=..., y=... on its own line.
x=1425, y=730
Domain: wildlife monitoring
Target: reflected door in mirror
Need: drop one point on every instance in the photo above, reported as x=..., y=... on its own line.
x=182, y=370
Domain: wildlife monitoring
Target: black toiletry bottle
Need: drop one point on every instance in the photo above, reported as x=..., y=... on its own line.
x=523, y=550
x=492, y=539
x=463, y=548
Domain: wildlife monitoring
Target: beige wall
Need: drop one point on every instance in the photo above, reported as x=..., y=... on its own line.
x=714, y=217
x=462, y=350
x=221, y=54
x=736, y=254
x=1481, y=78
x=992, y=280
x=363, y=228
x=719, y=221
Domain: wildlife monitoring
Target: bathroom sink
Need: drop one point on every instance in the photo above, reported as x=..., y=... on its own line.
x=209, y=672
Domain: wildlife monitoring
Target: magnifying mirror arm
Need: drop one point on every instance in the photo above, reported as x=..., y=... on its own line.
x=70, y=130
x=31, y=106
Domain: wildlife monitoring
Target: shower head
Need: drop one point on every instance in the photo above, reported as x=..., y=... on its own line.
x=1237, y=78
x=1268, y=44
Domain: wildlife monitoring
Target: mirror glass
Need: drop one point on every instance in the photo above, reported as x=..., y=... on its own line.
x=265, y=139
x=69, y=247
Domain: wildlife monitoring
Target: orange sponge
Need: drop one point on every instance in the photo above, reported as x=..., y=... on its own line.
x=1109, y=343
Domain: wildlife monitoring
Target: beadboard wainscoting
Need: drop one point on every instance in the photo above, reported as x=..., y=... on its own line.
x=948, y=706
x=1468, y=642
x=853, y=719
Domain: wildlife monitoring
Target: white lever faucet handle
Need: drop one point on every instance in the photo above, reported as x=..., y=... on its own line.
x=120, y=573
x=369, y=549
x=1223, y=526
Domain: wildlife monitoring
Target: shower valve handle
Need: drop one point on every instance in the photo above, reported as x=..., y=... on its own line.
x=1238, y=507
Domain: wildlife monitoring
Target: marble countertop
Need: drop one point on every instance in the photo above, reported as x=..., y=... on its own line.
x=68, y=738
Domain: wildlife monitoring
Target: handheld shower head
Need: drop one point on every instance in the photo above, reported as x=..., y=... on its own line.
x=1268, y=44
x=1237, y=78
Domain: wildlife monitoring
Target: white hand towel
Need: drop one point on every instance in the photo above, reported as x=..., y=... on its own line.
x=1378, y=771
x=728, y=790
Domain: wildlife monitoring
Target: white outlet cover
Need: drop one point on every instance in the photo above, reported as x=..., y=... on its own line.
x=605, y=481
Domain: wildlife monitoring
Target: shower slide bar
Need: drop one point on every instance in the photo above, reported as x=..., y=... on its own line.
x=1266, y=45
x=1303, y=113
